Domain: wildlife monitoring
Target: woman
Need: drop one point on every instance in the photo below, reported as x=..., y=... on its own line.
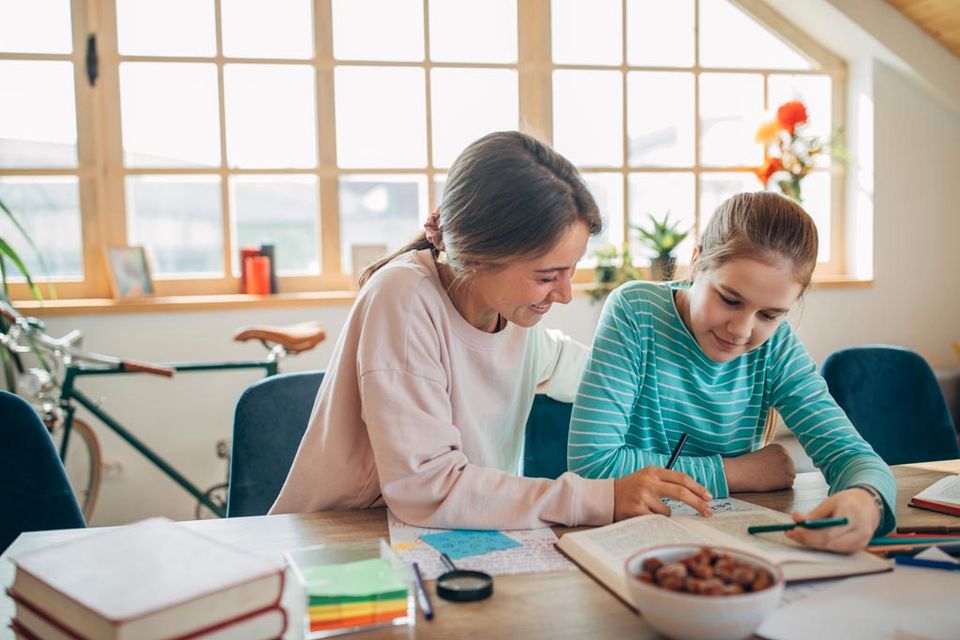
x=424, y=404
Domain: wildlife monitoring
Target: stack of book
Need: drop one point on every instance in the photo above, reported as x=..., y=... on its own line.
x=151, y=580
x=354, y=594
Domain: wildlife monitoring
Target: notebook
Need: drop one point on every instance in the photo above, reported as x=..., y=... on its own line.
x=943, y=496
x=602, y=552
x=152, y=579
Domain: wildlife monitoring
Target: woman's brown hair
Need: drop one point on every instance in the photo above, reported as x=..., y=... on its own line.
x=508, y=197
x=761, y=226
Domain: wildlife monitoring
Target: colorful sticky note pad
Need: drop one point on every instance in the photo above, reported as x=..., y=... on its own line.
x=463, y=543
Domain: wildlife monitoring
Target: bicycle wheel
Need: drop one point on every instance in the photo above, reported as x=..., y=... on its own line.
x=84, y=465
x=218, y=495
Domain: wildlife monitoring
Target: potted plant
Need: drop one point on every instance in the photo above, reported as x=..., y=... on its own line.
x=613, y=268
x=663, y=237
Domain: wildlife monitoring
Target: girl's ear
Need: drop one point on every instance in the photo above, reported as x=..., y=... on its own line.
x=693, y=261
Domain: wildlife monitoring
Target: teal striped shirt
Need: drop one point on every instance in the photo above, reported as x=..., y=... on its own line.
x=647, y=382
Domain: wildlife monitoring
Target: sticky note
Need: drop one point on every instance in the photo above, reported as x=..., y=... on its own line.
x=463, y=543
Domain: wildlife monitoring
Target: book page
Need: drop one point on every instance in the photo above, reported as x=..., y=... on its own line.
x=945, y=490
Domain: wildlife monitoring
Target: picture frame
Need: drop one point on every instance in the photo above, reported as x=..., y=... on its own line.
x=129, y=272
x=363, y=255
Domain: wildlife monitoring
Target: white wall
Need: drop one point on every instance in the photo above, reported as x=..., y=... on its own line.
x=910, y=198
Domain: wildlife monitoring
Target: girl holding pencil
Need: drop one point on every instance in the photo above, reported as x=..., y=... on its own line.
x=709, y=358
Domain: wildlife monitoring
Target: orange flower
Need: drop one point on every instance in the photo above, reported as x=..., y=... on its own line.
x=769, y=167
x=790, y=114
x=767, y=132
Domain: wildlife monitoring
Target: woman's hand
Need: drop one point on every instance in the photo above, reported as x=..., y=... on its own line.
x=767, y=469
x=857, y=506
x=642, y=492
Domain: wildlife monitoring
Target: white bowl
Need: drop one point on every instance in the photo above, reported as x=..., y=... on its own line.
x=688, y=616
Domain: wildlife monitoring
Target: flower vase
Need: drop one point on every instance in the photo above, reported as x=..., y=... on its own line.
x=790, y=187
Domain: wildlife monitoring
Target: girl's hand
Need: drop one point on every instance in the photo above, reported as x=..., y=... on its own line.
x=641, y=493
x=857, y=505
x=767, y=469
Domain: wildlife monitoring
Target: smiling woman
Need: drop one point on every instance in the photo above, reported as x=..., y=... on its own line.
x=424, y=405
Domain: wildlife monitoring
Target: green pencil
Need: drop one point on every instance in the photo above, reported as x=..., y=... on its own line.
x=806, y=524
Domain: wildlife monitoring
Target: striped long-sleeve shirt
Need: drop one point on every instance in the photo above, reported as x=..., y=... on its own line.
x=648, y=381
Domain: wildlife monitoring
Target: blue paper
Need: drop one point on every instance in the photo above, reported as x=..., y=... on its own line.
x=462, y=543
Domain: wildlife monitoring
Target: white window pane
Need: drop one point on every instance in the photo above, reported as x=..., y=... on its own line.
x=717, y=187
x=170, y=113
x=387, y=210
x=607, y=190
x=178, y=220
x=381, y=117
x=35, y=26
x=48, y=208
x=378, y=29
x=38, y=124
x=271, y=116
x=658, y=194
x=439, y=184
x=730, y=111
x=588, y=117
x=144, y=27
x=660, y=33
x=730, y=38
x=267, y=28
x=660, y=118
x=467, y=104
x=471, y=31
x=586, y=32
x=815, y=190
x=816, y=94
x=280, y=210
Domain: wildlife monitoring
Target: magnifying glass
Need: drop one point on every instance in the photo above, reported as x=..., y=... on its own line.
x=460, y=585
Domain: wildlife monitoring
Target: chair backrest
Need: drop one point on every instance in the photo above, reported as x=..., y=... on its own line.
x=545, y=442
x=36, y=494
x=268, y=424
x=893, y=399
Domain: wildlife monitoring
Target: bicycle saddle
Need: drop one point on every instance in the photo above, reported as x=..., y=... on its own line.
x=295, y=338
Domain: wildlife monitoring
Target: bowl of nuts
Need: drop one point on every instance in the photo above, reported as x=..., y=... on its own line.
x=693, y=592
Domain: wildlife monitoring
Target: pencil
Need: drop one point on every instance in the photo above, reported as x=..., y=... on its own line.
x=806, y=524
x=929, y=564
x=676, y=451
x=935, y=529
x=422, y=596
x=949, y=549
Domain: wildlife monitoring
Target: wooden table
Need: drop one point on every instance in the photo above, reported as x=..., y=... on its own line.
x=555, y=605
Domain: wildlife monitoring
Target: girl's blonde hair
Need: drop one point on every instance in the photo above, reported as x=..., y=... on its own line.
x=760, y=226
x=508, y=197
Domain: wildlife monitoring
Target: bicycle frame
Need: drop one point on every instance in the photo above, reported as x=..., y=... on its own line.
x=70, y=395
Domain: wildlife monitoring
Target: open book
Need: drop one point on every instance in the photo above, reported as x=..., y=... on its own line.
x=943, y=496
x=603, y=551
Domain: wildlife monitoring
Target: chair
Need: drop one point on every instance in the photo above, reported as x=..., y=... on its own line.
x=268, y=424
x=36, y=493
x=893, y=399
x=545, y=443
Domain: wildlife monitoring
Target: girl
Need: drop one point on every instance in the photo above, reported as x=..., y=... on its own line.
x=709, y=358
x=424, y=404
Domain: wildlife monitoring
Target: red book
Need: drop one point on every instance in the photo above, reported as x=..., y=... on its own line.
x=153, y=579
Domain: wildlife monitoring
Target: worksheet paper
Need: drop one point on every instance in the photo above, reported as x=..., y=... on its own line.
x=908, y=603
x=537, y=552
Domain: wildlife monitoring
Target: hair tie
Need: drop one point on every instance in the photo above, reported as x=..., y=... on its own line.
x=433, y=230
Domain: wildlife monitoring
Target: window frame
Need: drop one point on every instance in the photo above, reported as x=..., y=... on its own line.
x=101, y=171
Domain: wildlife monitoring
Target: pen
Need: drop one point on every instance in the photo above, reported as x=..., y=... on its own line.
x=676, y=451
x=422, y=596
x=806, y=524
x=934, y=529
x=929, y=564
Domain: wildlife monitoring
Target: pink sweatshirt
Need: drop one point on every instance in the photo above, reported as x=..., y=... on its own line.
x=425, y=413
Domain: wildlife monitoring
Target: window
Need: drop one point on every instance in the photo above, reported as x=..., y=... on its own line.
x=323, y=125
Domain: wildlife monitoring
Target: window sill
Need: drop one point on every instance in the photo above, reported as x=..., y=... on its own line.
x=158, y=304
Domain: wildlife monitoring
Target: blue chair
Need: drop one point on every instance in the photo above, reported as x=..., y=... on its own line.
x=268, y=424
x=545, y=441
x=36, y=494
x=893, y=399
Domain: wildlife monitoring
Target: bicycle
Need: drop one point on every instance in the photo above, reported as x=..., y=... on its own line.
x=52, y=389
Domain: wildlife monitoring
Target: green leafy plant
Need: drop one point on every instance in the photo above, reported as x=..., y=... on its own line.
x=663, y=237
x=614, y=267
